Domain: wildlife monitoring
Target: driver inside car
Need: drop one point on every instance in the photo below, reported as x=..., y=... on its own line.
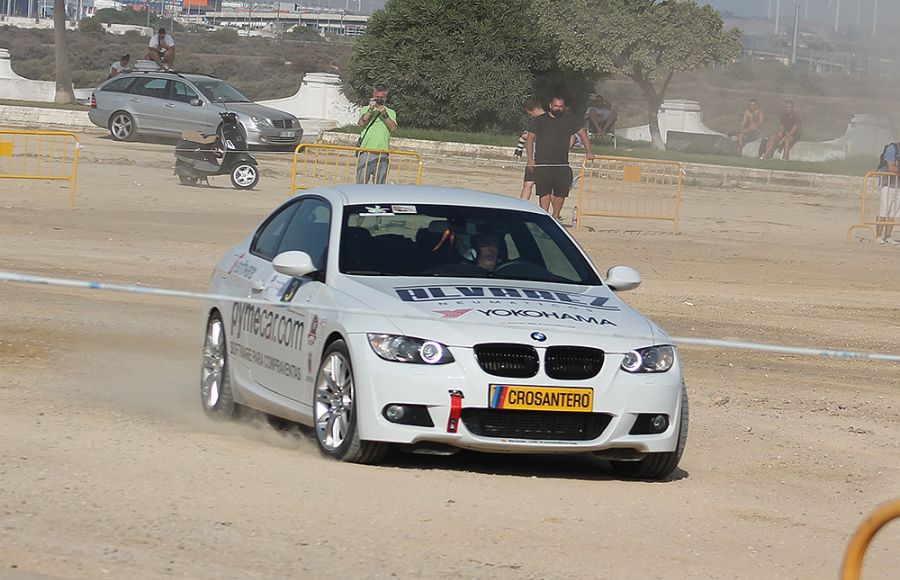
x=487, y=250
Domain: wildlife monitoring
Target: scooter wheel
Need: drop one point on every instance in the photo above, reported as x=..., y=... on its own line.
x=188, y=179
x=245, y=176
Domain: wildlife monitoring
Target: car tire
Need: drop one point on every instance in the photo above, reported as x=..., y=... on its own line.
x=245, y=176
x=335, y=410
x=122, y=127
x=187, y=179
x=215, y=375
x=658, y=466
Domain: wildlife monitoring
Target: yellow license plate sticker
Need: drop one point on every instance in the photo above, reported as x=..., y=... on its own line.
x=522, y=398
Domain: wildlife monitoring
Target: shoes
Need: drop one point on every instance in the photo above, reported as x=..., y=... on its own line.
x=890, y=242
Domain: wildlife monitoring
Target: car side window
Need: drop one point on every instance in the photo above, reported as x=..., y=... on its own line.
x=182, y=93
x=268, y=236
x=118, y=85
x=150, y=87
x=308, y=231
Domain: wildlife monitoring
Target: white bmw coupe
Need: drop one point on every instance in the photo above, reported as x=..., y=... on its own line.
x=439, y=319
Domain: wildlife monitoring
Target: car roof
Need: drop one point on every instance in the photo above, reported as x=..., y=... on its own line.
x=424, y=194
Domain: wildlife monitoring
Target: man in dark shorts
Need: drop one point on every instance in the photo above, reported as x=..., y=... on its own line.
x=788, y=133
x=547, y=147
x=534, y=110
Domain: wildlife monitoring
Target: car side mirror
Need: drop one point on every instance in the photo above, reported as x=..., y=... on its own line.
x=195, y=102
x=622, y=278
x=293, y=263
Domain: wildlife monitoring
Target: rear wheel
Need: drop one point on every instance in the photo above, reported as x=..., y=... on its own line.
x=121, y=126
x=658, y=465
x=245, y=176
x=215, y=380
x=335, y=410
x=187, y=179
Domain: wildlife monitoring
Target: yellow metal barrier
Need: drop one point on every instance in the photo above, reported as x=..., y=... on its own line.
x=859, y=543
x=630, y=188
x=870, y=202
x=319, y=164
x=49, y=155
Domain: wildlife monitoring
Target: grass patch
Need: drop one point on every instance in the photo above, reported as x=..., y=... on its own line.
x=44, y=105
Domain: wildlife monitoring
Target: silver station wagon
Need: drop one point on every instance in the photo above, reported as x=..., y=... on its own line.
x=167, y=103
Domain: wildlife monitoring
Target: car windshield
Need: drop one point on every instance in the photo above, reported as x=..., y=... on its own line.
x=220, y=91
x=452, y=241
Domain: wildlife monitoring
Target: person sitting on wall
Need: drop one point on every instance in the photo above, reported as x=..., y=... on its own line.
x=120, y=66
x=161, y=49
x=787, y=135
x=751, y=125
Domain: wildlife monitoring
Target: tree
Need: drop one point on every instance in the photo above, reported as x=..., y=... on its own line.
x=645, y=40
x=456, y=64
x=65, y=93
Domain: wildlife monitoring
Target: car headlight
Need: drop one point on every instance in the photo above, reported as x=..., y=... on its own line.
x=260, y=121
x=653, y=359
x=409, y=350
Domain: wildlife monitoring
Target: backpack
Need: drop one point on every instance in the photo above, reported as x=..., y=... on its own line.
x=882, y=164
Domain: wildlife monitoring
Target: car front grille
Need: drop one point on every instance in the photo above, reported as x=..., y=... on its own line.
x=555, y=425
x=573, y=363
x=283, y=123
x=517, y=361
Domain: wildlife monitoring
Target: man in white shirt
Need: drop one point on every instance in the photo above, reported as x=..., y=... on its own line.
x=120, y=66
x=162, y=49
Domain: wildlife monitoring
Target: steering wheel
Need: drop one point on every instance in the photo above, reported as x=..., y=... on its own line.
x=508, y=264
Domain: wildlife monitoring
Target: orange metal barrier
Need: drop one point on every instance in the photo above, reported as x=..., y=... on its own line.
x=319, y=164
x=870, y=202
x=859, y=543
x=630, y=188
x=49, y=155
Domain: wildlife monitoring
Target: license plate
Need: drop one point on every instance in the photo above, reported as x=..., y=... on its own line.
x=522, y=398
x=287, y=134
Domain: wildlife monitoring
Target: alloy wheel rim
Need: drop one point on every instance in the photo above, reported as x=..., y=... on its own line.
x=121, y=126
x=213, y=364
x=334, y=401
x=244, y=175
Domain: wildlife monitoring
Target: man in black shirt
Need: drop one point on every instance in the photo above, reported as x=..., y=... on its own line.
x=547, y=147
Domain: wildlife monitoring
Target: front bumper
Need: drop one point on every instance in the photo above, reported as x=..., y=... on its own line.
x=273, y=137
x=619, y=399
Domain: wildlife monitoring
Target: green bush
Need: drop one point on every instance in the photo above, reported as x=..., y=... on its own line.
x=224, y=36
x=91, y=26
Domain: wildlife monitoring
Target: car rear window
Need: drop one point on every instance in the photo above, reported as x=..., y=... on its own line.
x=118, y=85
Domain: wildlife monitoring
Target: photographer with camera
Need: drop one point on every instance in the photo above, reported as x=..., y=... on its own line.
x=378, y=122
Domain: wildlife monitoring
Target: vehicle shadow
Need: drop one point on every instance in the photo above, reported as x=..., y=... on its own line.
x=582, y=466
x=544, y=466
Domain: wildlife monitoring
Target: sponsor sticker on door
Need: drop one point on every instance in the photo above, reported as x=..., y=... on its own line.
x=525, y=398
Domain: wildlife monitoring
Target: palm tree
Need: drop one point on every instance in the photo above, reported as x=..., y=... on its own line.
x=64, y=91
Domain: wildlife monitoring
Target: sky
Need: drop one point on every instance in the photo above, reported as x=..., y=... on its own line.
x=818, y=9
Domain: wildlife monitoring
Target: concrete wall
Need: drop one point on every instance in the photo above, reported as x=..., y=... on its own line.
x=18, y=88
x=318, y=103
x=674, y=115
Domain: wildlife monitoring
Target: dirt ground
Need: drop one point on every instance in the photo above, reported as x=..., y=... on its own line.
x=108, y=467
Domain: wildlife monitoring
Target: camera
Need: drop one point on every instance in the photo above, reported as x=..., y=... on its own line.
x=379, y=101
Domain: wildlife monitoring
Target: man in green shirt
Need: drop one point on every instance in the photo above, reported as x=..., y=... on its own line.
x=378, y=122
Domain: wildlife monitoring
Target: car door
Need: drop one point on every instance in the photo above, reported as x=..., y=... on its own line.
x=147, y=99
x=249, y=276
x=183, y=116
x=298, y=328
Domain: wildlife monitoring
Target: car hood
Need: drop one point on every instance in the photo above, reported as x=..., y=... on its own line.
x=258, y=110
x=465, y=311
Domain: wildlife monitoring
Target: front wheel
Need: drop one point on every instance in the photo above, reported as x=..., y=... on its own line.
x=658, y=466
x=245, y=176
x=335, y=410
x=215, y=380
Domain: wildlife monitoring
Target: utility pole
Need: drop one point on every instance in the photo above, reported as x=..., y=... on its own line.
x=837, y=15
x=770, y=11
x=796, y=29
x=777, y=17
x=875, y=19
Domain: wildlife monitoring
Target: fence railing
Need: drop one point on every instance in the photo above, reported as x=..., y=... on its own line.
x=46, y=155
x=322, y=165
x=621, y=187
